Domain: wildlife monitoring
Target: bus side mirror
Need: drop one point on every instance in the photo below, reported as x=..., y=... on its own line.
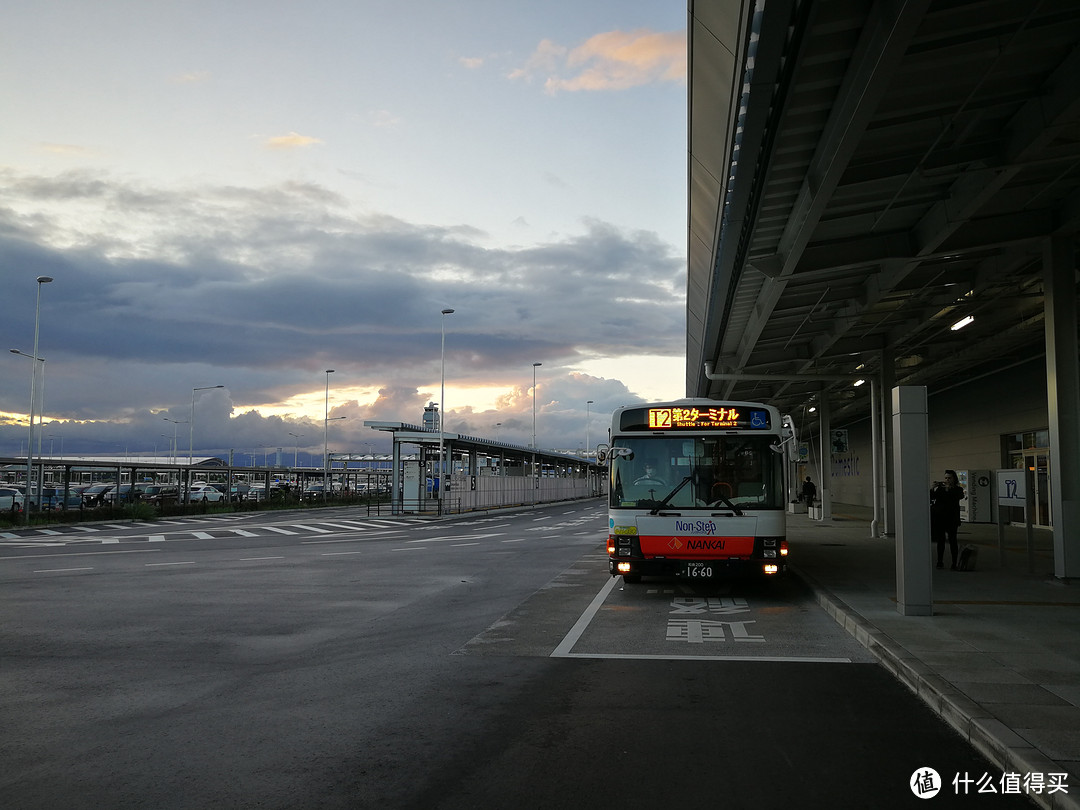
x=604, y=453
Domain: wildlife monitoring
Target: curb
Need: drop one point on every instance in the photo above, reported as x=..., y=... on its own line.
x=1004, y=748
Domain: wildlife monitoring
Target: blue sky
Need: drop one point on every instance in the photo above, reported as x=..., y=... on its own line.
x=250, y=193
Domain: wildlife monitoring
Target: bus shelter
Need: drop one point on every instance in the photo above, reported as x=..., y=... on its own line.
x=476, y=474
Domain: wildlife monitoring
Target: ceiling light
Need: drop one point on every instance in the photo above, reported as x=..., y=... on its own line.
x=960, y=324
x=859, y=382
x=813, y=409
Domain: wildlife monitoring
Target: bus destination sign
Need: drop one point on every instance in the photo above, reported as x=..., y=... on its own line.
x=721, y=417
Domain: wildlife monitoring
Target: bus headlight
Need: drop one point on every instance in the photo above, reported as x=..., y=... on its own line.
x=770, y=568
x=623, y=567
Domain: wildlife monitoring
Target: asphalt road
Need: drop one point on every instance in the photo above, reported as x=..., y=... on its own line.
x=327, y=660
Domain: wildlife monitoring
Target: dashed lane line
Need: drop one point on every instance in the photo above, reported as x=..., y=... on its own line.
x=60, y=570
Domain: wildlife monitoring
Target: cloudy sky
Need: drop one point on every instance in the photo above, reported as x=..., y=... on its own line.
x=248, y=193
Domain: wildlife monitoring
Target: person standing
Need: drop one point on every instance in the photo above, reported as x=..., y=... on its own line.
x=809, y=491
x=945, y=497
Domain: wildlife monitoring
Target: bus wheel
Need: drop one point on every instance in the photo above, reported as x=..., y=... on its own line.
x=631, y=579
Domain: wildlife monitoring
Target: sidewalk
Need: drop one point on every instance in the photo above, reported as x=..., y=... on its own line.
x=1000, y=658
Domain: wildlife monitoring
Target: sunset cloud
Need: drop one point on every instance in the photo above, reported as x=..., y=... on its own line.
x=615, y=60
x=194, y=77
x=293, y=140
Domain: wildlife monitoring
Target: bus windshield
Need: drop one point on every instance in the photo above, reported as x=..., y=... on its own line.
x=696, y=472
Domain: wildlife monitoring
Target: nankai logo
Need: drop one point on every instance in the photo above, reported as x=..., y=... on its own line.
x=705, y=545
x=696, y=544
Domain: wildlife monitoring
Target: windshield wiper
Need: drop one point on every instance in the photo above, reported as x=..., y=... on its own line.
x=734, y=508
x=670, y=495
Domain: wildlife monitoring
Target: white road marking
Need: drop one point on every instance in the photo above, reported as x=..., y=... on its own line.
x=457, y=537
x=60, y=570
x=571, y=638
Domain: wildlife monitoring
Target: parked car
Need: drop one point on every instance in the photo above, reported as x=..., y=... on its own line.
x=11, y=500
x=94, y=495
x=160, y=493
x=57, y=498
x=206, y=493
x=314, y=492
x=258, y=492
x=125, y=493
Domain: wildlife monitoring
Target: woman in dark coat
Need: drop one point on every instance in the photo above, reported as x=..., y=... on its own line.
x=945, y=516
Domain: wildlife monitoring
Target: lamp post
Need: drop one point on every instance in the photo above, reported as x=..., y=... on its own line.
x=175, y=422
x=325, y=433
x=40, y=395
x=296, y=447
x=327, y=459
x=587, y=442
x=191, y=421
x=33, y=391
x=442, y=402
x=534, y=403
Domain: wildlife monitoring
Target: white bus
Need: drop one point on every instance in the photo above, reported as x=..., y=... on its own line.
x=696, y=490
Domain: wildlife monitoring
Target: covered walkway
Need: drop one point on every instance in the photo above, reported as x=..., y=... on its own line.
x=479, y=473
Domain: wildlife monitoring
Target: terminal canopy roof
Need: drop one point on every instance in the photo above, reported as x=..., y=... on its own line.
x=862, y=177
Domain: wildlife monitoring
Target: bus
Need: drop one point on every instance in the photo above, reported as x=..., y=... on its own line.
x=696, y=490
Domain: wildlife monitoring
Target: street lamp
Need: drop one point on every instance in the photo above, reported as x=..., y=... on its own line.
x=40, y=397
x=442, y=401
x=587, y=443
x=191, y=421
x=534, y=402
x=325, y=432
x=175, y=422
x=326, y=458
x=33, y=390
x=296, y=447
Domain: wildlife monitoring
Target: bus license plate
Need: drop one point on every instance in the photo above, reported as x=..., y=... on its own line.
x=698, y=569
